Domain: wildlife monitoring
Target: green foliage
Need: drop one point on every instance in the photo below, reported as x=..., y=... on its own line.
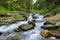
x=51, y=6
x=47, y=6
x=10, y=1
x=15, y=7
x=58, y=8
x=3, y=10
x=41, y=6
x=18, y=7
x=43, y=11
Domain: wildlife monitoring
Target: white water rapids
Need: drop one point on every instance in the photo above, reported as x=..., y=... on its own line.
x=34, y=34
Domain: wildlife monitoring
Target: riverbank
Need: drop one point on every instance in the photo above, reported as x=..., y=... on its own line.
x=8, y=18
x=52, y=23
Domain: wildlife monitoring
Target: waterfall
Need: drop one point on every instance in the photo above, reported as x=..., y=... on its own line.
x=34, y=1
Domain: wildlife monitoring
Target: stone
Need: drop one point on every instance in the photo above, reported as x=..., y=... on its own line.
x=17, y=37
x=49, y=22
x=53, y=19
x=45, y=33
x=1, y=33
x=50, y=27
x=17, y=30
x=35, y=17
x=59, y=29
x=58, y=23
x=26, y=27
x=32, y=22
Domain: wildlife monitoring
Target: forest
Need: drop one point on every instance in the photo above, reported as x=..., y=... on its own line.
x=16, y=7
x=41, y=6
x=12, y=12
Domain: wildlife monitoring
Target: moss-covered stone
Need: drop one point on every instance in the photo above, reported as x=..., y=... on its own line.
x=17, y=37
x=26, y=27
x=11, y=18
x=50, y=27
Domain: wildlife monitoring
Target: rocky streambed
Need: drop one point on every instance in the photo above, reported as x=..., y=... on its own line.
x=52, y=24
x=23, y=30
x=27, y=29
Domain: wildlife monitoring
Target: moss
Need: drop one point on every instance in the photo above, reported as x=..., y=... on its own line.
x=14, y=16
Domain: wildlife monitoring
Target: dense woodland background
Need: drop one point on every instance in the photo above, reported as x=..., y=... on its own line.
x=18, y=9
x=41, y=6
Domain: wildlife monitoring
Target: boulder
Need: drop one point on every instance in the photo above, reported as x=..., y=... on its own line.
x=35, y=17
x=32, y=22
x=26, y=27
x=47, y=33
x=50, y=27
x=59, y=29
x=53, y=19
x=58, y=23
x=17, y=37
x=49, y=22
x=1, y=33
x=17, y=30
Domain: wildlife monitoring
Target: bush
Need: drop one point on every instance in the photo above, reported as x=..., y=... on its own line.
x=58, y=8
x=43, y=11
x=4, y=10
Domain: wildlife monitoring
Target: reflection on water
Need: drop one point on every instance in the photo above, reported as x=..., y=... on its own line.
x=34, y=34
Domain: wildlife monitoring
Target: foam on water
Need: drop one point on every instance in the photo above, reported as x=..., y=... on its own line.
x=33, y=34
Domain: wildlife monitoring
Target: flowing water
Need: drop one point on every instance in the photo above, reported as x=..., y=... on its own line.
x=34, y=34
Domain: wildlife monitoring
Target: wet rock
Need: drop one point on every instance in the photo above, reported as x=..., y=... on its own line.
x=56, y=35
x=45, y=33
x=26, y=27
x=50, y=27
x=1, y=33
x=35, y=17
x=5, y=15
x=58, y=23
x=49, y=22
x=32, y=22
x=53, y=19
x=17, y=37
x=59, y=28
x=52, y=22
x=17, y=30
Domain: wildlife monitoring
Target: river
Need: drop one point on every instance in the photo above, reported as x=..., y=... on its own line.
x=34, y=34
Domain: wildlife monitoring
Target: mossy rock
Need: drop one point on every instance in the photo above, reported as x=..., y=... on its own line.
x=59, y=29
x=58, y=23
x=1, y=33
x=50, y=27
x=14, y=38
x=53, y=19
x=49, y=22
x=10, y=18
x=26, y=27
x=55, y=31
